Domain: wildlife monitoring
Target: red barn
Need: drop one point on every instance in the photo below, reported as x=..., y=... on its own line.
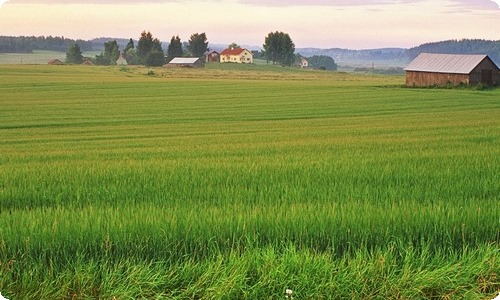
x=212, y=56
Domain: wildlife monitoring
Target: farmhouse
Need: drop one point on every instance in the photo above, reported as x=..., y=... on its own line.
x=236, y=55
x=445, y=69
x=212, y=56
x=186, y=62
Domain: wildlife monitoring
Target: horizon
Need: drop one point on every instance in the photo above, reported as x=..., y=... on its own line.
x=323, y=24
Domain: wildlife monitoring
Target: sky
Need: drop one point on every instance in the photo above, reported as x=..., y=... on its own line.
x=352, y=24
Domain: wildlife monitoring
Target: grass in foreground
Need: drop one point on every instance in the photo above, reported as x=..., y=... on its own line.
x=240, y=183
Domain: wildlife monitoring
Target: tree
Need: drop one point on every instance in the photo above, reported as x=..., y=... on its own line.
x=74, y=55
x=198, y=44
x=155, y=58
x=175, y=48
x=130, y=45
x=110, y=55
x=322, y=61
x=131, y=57
x=233, y=45
x=146, y=46
x=279, y=48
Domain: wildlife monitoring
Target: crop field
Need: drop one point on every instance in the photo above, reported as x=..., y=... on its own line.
x=238, y=182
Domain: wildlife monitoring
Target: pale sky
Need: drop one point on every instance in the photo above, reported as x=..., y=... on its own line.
x=353, y=24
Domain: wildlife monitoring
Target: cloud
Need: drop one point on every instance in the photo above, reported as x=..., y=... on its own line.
x=476, y=4
x=102, y=1
x=322, y=2
x=479, y=4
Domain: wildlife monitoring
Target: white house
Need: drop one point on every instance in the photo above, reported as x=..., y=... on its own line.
x=236, y=55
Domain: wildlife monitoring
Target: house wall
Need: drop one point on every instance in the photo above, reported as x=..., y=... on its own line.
x=225, y=58
x=213, y=57
x=423, y=79
x=245, y=57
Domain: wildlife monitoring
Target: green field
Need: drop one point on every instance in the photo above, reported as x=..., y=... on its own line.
x=240, y=182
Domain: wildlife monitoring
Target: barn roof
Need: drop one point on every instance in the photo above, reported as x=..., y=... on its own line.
x=184, y=60
x=445, y=63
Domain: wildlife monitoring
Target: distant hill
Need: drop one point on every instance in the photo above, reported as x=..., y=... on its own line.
x=346, y=54
x=404, y=56
x=492, y=48
x=388, y=57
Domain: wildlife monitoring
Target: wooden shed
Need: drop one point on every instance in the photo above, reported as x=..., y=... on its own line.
x=55, y=62
x=212, y=56
x=451, y=69
x=186, y=62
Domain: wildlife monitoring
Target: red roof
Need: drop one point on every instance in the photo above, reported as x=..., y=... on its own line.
x=236, y=51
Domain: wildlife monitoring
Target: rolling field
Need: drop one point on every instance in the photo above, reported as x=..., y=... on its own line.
x=239, y=183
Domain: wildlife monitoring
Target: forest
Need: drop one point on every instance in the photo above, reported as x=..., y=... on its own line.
x=26, y=44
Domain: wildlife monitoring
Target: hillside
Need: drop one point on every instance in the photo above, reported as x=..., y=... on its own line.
x=382, y=58
x=492, y=48
x=401, y=57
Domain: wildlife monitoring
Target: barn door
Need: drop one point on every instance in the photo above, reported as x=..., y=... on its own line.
x=487, y=77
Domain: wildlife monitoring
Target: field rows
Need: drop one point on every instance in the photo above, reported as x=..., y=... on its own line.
x=217, y=184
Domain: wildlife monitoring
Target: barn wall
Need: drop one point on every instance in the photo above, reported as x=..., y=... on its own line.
x=488, y=65
x=423, y=79
x=496, y=78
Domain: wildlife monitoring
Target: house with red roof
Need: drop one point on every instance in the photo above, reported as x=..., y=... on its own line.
x=236, y=55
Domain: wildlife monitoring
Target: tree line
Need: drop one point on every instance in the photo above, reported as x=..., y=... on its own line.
x=465, y=46
x=148, y=50
x=278, y=49
x=26, y=44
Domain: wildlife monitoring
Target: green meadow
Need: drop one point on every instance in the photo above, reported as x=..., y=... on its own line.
x=236, y=182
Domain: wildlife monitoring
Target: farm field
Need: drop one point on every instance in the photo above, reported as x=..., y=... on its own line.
x=238, y=182
x=38, y=57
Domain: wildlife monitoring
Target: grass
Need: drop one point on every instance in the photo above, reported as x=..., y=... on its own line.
x=238, y=182
x=37, y=57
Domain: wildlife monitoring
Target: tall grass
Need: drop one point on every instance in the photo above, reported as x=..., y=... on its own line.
x=217, y=184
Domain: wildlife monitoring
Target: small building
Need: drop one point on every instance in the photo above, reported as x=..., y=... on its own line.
x=236, y=55
x=186, y=62
x=55, y=62
x=212, y=56
x=121, y=61
x=451, y=69
x=87, y=62
x=303, y=63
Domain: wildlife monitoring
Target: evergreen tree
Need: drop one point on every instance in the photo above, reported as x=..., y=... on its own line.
x=175, y=48
x=74, y=55
x=130, y=45
x=110, y=55
x=198, y=44
x=146, y=46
